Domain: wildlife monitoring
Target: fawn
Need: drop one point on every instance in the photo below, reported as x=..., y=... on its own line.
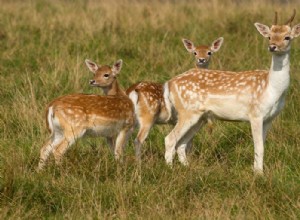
x=70, y=117
x=150, y=107
x=256, y=96
x=203, y=53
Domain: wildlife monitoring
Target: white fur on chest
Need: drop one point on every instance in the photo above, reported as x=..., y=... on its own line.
x=272, y=104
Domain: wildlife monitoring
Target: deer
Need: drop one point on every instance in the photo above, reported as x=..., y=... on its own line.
x=73, y=116
x=203, y=53
x=150, y=107
x=255, y=96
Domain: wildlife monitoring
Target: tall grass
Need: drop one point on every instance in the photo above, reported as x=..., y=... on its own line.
x=43, y=45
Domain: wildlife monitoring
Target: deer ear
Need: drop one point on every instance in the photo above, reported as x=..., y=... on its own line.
x=93, y=67
x=188, y=45
x=117, y=67
x=296, y=30
x=264, y=30
x=216, y=45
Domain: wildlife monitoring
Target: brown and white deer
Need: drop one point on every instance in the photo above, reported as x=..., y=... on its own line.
x=72, y=116
x=148, y=100
x=203, y=53
x=256, y=96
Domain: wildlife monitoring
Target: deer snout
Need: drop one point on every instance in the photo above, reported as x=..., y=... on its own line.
x=272, y=48
x=92, y=82
x=202, y=60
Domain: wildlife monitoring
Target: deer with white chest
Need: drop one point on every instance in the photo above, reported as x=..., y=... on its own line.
x=150, y=107
x=256, y=96
x=73, y=116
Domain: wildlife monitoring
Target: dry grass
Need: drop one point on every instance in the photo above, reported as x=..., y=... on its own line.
x=43, y=45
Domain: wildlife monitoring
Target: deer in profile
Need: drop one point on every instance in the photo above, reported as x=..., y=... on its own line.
x=150, y=107
x=256, y=96
x=73, y=116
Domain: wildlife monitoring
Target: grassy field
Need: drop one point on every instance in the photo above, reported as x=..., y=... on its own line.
x=43, y=45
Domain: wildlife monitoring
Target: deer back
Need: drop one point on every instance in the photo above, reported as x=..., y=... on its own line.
x=148, y=98
x=221, y=92
x=104, y=115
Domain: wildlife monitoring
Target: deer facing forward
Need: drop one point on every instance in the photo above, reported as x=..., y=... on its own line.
x=72, y=116
x=150, y=107
x=256, y=96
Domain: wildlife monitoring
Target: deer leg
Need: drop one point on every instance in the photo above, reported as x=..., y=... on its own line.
x=266, y=128
x=182, y=126
x=120, y=143
x=209, y=123
x=190, y=143
x=257, y=133
x=60, y=150
x=186, y=142
x=144, y=129
x=189, y=146
x=181, y=151
x=48, y=148
x=70, y=137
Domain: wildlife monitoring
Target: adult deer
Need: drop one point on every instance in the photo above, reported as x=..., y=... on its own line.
x=148, y=98
x=256, y=96
x=72, y=116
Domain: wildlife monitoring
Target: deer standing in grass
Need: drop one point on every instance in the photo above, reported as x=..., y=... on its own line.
x=256, y=96
x=72, y=116
x=148, y=100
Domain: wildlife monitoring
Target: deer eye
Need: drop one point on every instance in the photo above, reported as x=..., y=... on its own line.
x=195, y=53
x=106, y=75
x=269, y=38
x=287, y=38
x=209, y=53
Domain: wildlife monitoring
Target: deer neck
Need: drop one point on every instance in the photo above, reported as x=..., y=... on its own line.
x=279, y=77
x=113, y=89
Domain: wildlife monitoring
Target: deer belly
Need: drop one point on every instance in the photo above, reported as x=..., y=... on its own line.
x=106, y=130
x=228, y=109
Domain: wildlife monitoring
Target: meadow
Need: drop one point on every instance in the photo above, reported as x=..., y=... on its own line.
x=43, y=45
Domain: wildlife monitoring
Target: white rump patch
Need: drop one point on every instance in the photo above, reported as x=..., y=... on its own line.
x=133, y=95
x=49, y=118
x=167, y=100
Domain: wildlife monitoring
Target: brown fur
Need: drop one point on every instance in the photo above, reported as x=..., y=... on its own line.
x=72, y=116
x=151, y=105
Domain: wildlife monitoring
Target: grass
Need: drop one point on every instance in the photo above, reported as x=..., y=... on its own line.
x=43, y=45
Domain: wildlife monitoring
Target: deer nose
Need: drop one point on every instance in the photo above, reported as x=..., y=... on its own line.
x=272, y=48
x=92, y=82
x=201, y=60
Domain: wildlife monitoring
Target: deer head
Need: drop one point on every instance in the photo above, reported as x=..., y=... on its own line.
x=103, y=75
x=280, y=36
x=203, y=53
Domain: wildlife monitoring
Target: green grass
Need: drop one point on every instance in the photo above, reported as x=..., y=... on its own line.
x=43, y=45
